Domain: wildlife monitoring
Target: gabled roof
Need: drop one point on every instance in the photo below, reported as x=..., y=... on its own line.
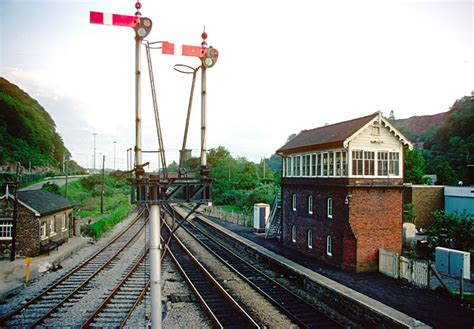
x=42, y=202
x=335, y=135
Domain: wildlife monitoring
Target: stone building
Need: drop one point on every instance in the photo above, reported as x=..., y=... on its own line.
x=342, y=192
x=44, y=221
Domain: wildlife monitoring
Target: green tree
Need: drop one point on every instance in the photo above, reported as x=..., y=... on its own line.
x=414, y=167
x=445, y=174
x=409, y=213
x=451, y=230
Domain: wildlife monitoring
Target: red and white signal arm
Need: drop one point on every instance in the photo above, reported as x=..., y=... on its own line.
x=208, y=54
x=182, y=50
x=142, y=25
x=114, y=19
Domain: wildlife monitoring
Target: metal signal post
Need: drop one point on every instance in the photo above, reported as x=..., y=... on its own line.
x=153, y=190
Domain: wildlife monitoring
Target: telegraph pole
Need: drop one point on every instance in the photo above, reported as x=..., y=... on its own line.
x=67, y=176
x=95, y=134
x=15, y=213
x=102, y=187
x=115, y=143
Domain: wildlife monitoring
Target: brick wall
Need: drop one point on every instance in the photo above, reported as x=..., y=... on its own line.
x=372, y=220
x=318, y=222
x=426, y=199
x=375, y=218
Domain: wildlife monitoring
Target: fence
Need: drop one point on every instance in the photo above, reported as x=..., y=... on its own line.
x=229, y=216
x=414, y=271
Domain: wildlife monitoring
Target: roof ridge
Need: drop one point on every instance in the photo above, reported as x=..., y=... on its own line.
x=341, y=122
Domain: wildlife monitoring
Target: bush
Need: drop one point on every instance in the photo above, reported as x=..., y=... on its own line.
x=51, y=187
x=451, y=230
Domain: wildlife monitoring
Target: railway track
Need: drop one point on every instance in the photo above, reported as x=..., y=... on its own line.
x=222, y=309
x=118, y=306
x=74, y=284
x=301, y=312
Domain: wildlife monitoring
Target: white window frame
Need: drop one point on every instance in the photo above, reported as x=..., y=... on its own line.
x=313, y=164
x=43, y=230
x=293, y=201
x=293, y=233
x=63, y=222
x=381, y=162
x=7, y=226
x=371, y=163
x=357, y=163
x=329, y=207
x=52, y=226
x=310, y=204
x=309, y=238
x=329, y=245
x=394, y=164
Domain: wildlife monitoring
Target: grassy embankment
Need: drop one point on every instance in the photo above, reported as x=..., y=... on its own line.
x=85, y=194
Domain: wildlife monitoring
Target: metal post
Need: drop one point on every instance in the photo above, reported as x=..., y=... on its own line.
x=115, y=144
x=155, y=266
x=138, y=133
x=67, y=176
x=203, y=121
x=95, y=134
x=102, y=187
x=15, y=213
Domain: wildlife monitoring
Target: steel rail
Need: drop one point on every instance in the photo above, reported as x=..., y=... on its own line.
x=10, y=316
x=222, y=309
x=112, y=294
x=300, y=311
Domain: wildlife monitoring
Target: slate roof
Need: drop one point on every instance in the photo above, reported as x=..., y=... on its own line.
x=331, y=135
x=44, y=202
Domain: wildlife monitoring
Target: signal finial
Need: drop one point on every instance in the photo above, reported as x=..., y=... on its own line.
x=138, y=6
x=204, y=37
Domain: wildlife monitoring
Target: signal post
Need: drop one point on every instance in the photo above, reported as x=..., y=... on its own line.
x=150, y=189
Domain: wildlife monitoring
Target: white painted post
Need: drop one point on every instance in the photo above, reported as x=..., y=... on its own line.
x=155, y=266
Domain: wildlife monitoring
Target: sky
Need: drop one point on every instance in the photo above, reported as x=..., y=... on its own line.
x=283, y=66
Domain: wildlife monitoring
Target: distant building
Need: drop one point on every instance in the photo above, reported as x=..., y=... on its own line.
x=342, y=192
x=425, y=199
x=459, y=199
x=44, y=221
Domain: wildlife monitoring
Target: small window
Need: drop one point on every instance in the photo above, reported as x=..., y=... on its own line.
x=329, y=207
x=63, y=222
x=43, y=231
x=6, y=229
x=293, y=233
x=52, y=228
x=375, y=130
x=329, y=245
x=310, y=239
x=310, y=204
x=293, y=202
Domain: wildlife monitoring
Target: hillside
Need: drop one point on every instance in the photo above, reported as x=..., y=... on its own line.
x=414, y=127
x=446, y=140
x=27, y=131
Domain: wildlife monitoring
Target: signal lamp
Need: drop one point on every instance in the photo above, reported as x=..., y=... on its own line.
x=210, y=57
